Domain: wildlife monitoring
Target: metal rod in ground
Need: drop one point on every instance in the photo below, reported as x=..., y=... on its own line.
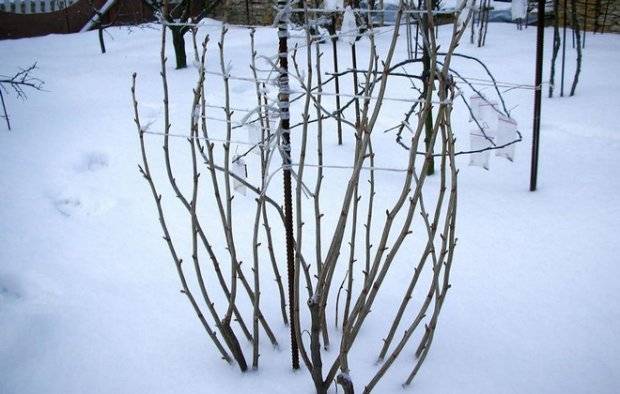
x=6, y=114
x=563, y=49
x=540, y=37
x=283, y=99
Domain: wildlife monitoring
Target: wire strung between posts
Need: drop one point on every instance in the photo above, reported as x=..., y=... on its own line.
x=509, y=86
x=357, y=96
x=238, y=78
x=346, y=167
x=478, y=81
x=365, y=10
x=343, y=33
x=208, y=139
x=351, y=33
x=232, y=122
x=238, y=109
x=210, y=24
x=328, y=166
x=506, y=82
x=364, y=97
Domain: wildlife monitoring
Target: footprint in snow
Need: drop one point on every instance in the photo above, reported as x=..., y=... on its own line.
x=67, y=206
x=92, y=161
x=9, y=289
x=83, y=191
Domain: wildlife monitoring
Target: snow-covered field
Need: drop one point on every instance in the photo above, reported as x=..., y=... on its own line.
x=89, y=297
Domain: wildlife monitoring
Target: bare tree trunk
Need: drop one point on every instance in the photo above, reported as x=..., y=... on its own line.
x=578, y=38
x=556, y=45
x=178, y=41
x=101, y=42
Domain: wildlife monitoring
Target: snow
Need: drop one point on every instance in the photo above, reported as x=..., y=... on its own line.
x=333, y=4
x=89, y=298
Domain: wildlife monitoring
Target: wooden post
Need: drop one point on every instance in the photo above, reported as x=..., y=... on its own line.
x=540, y=37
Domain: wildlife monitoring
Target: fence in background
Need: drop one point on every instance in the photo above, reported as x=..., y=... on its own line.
x=34, y=6
x=64, y=16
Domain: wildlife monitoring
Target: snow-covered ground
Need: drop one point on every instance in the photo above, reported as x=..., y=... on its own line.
x=89, y=298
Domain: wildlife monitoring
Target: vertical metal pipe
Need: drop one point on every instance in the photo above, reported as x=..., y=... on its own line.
x=540, y=37
x=283, y=101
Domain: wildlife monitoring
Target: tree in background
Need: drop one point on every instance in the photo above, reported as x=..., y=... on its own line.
x=179, y=18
